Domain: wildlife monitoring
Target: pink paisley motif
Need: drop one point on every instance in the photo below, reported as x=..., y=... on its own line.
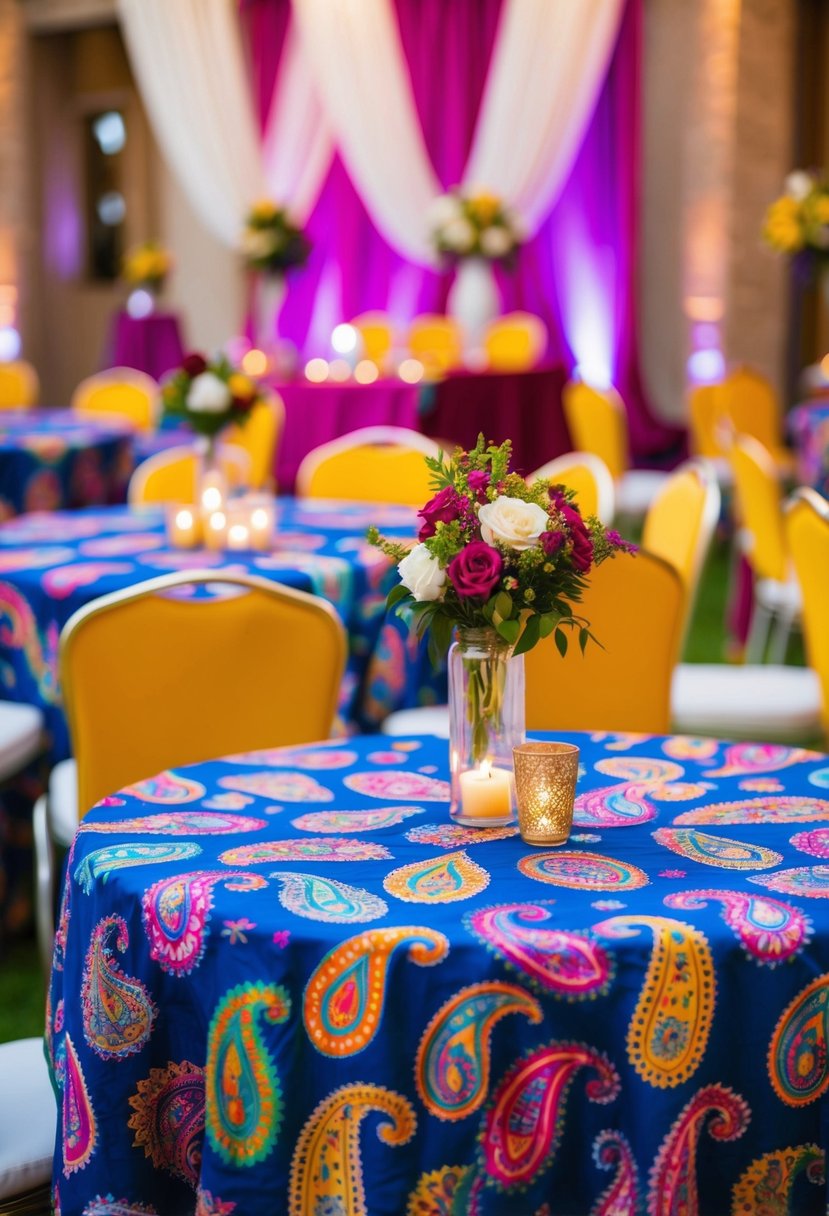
x=310, y=848
x=454, y=835
x=121, y=546
x=611, y=1150
x=408, y=787
x=618, y=740
x=168, y=789
x=786, y=809
x=80, y=1131
x=689, y=747
x=206, y=1205
x=615, y=806
x=280, y=787
x=60, y=581
x=318, y=757
x=815, y=842
x=640, y=770
x=746, y=759
x=356, y=821
x=673, y=1175
x=807, y=882
x=19, y=630
x=769, y=930
x=177, y=823
x=168, y=1119
x=176, y=913
x=523, y=1123
x=560, y=961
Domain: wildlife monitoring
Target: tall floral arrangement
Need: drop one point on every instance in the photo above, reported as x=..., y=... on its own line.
x=797, y=223
x=147, y=266
x=474, y=225
x=271, y=241
x=207, y=394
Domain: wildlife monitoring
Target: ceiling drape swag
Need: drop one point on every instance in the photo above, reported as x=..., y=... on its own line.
x=548, y=66
x=187, y=58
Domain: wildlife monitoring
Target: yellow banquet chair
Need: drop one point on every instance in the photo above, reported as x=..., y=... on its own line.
x=19, y=385
x=178, y=669
x=437, y=342
x=119, y=392
x=680, y=524
x=753, y=408
x=597, y=422
x=807, y=532
x=373, y=464
x=635, y=605
x=710, y=431
x=588, y=476
x=173, y=476
x=377, y=334
x=515, y=342
x=259, y=436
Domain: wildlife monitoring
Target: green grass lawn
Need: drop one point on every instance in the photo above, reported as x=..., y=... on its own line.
x=21, y=985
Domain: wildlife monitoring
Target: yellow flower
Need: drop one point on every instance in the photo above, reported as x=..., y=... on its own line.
x=783, y=228
x=263, y=211
x=241, y=386
x=816, y=207
x=484, y=207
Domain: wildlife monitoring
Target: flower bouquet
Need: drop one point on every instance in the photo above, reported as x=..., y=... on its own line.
x=147, y=266
x=208, y=394
x=474, y=225
x=797, y=222
x=271, y=241
x=502, y=563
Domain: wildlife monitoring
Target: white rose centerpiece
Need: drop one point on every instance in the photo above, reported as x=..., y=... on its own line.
x=208, y=394
x=477, y=224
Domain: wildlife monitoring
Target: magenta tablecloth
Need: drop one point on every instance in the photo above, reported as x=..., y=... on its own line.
x=522, y=406
x=151, y=344
x=316, y=413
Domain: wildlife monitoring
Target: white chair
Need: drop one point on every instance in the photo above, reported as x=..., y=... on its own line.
x=28, y=1121
x=766, y=702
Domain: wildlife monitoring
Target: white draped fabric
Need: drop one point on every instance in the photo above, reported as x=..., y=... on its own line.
x=187, y=58
x=548, y=66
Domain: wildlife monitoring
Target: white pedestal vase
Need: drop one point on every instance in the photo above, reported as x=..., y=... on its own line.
x=474, y=301
x=269, y=294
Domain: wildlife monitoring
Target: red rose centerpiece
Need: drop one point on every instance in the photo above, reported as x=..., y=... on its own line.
x=208, y=394
x=501, y=564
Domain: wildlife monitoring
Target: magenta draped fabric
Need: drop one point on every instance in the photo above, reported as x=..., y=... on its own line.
x=579, y=271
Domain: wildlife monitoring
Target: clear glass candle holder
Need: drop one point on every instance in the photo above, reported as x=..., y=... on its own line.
x=545, y=790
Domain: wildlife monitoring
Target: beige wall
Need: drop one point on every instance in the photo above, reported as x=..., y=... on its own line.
x=16, y=231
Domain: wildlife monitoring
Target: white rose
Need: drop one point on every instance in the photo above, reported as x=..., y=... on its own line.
x=208, y=395
x=496, y=242
x=421, y=574
x=513, y=522
x=799, y=184
x=259, y=242
x=459, y=235
x=444, y=209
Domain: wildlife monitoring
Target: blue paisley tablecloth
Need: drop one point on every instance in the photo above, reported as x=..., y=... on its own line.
x=285, y=983
x=53, y=563
x=52, y=458
x=809, y=428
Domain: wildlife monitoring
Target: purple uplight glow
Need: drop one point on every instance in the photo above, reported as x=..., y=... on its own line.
x=587, y=294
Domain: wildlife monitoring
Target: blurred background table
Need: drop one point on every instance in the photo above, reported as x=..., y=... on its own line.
x=809, y=428
x=152, y=344
x=52, y=458
x=455, y=1021
x=53, y=563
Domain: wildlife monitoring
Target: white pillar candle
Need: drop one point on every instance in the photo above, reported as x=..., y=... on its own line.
x=262, y=520
x=238, y=536
x=212, y=490
x=215, y=530
x=183, y=526
x=486, y=793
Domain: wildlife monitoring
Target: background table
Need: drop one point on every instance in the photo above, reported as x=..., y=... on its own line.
x=52, y=458
x=633, y=1022
x=809, y=428
x=53, y=563
x=151, y=344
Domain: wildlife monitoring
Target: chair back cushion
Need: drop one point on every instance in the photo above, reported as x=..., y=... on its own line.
x=807, y=533
x=122, y=392
x=19, y=385
x=759, y=505
x=597, y=422
x=515, y=342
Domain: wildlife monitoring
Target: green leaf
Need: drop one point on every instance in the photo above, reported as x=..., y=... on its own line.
x=584, y=637
x=441, y=632
x=530, y=635
x=547, y=623
x=503, y=605
x=561, y=642
x=509, y=631
x=397, y=593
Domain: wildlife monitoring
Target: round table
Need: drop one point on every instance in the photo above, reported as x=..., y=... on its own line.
x=53, y=458
x=285, y=982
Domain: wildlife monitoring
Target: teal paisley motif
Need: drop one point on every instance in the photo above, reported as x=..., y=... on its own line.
x=797, y=1059
x=720, y=851
x=326, y=899
x=100, y=863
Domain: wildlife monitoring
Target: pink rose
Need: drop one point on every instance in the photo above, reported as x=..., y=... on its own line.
x=194, y=365
x=475, y=571
x=551, y=542
x=478, y=481
x=441, y=509
x=582, y=555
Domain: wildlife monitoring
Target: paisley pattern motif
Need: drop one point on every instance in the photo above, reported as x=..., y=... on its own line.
x=746, y=759
x=344, y=998
x=616, y=806
x=590, y=871
x=408, y=787
x=118, y=1012
x=176, y=913
x=766, y=1186
x=612, y=1151
x=720, y=851
x=815, y=842
x=769, y=931
x=523, y=1123
x=177, y=823
x=281, y=787
x=453, y=1059
x=108, y=1205
x=100, y=863
x=640, y=770
x=321, y=758
x=244, y=1096
x=453, y=835
x=672, y=1187
x=39, y=648
x=811, y=882
x=689, y=747
x=760, y=810
x=797, y=1058
x=325, y=899
x=320, y=848
x=556, y=961
x=167, y=789
x=441, y=880
x=80, y=1129
x=168, y=1119
x=356, y=821
x=326, y=1170
x=669, y=1029
x=436, y=1192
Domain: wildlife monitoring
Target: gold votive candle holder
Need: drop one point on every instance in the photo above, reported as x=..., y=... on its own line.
x=545, y=790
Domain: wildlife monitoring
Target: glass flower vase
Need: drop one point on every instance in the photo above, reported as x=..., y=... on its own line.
x=486, y=721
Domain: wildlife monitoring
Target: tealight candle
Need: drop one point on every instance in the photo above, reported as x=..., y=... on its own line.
x=262, y=520
x=215, y=530
x=183, y=527
x=486, y=793
x=238, y=536
x=212, y=490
